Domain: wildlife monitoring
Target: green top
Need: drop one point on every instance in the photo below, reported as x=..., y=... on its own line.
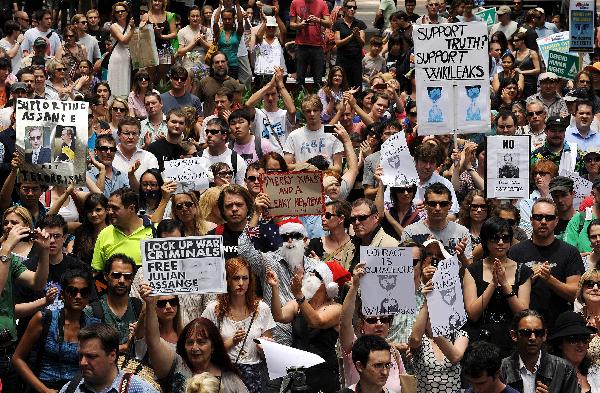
x=576, y=237
x=7, y=298
x=112, y=240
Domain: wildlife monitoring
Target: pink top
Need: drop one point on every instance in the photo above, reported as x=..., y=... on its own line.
x=137, y=103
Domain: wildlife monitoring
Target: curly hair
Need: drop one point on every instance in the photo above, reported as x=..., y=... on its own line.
x=232, y=266
x=464, y=214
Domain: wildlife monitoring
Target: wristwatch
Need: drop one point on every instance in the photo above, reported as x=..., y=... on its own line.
x=509, y=295
x=4, y=258
x=301, y=300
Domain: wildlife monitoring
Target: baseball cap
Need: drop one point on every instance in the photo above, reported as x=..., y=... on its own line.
x=576, y=94
x=557, y=122
x=503, y=10
x=561, y=183
x=18, y=86
x=271, y=21
x=40, y=42
x=540, y=9
x=591, y=150
x=548, y=75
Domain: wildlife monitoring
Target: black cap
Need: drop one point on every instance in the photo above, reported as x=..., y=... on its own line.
x=557, y=122
x=571, y=323
x=561, y=183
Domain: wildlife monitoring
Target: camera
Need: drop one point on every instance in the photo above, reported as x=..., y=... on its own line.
x=297, y=380
x=435, y=262
x=30, y=236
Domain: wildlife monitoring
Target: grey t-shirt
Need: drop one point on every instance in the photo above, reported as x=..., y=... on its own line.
x=171, y=102
x=371, y=163
x=450, y=236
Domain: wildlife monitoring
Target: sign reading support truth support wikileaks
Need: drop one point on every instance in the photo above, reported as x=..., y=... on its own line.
x=388, y=287
x=189, y=173
x=294, y=193
x=451, y=64
x=183, y=265
x=507, y=166
x=581, y=23
x=52, y=136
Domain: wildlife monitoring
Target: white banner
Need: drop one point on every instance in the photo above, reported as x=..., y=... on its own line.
x=189, y=173
x=398, y=165
x=507, y=166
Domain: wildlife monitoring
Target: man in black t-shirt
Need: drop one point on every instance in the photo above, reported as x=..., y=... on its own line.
x=556, y=265
x=168, y=149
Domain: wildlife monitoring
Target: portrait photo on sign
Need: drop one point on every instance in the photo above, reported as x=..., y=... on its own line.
x=64, y=143
x=37, y=142
x=508, y=168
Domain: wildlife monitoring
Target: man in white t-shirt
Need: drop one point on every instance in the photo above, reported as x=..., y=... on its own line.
x=42, y=30
x=250, y=147
x=11, y=43
x=217, y=150
x=311, y=140
x=272, y=123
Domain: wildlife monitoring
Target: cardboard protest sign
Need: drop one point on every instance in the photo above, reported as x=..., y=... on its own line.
x=488, y=16
x=452, y=67
x=581, y=187
x=581, y=25
x=142, y=48
x=507, y=166
x=294, y=193
x=182, y=265
x=446, y=306
x=52, y=135
x=189, y=173
x=388, y=287
x=398, y=165
x=564, y=65
x=558, y=42
x=280, y=358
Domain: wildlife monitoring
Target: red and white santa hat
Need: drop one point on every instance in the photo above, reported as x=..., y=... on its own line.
x=333, y=275
x=291, y=225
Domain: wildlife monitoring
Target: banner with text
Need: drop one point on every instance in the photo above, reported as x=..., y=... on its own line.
x=452, y=67
x=183, y=265
x=388, y=287
x=52, y=136
x=398, y=165
x=507, y=166
x=294, y=193
x=564, y=65
x=488, y=16
x=189, y=173
x=581, y=25
x=558, y=42
x=581, y=187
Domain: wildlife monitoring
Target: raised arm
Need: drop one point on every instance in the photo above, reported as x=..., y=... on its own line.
x=117, y=33
x=37, y=280
x=324, y=317
x=281, y=314
x=352, y=171
x=348, y=307
x=21, y=356
x=9, y=183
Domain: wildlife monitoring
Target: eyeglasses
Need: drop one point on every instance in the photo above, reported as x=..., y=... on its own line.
x=360, y=217
x=118, y=275
x=351, y=7
x=179, y=78
x=119, y=109
x=378, y=319
x=540, y=217
x=506, y=239
x=186, y=205
x=252, y=179
x=294, y=235
x=225, y=174
x=537, y=113
x=174, y=302
x=213, y=132
x=540, y=173
x=434, y=204
x=35, y=138
x=73, y=291
x=381, y=366
x=402, y=190
x=129, y=134
x=592, y=159
x=475, y=206
x=578, y=339
x=329, y=215
x=106, y=149
x=590, y=284
x=526, y=333
x=61, y=69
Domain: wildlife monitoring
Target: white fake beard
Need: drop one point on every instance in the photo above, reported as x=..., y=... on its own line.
x=310, y=286
x=293, y=254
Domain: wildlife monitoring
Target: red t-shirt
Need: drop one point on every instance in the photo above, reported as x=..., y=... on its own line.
x=312, y=33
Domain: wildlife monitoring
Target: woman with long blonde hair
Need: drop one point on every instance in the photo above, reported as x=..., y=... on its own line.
x=186, y=208
x=208, y=205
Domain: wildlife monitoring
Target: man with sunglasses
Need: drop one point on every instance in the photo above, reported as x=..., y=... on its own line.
x=178, y=96
x=536, y=116
x=39, y=154
x=116, y=307
x=556, y=265
x=432, y=17
x=91, y=43
x=531, y=369
x=105, y=150
x=217, y=135
x=555, y=105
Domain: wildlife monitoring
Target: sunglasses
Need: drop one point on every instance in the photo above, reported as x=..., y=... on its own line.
x=118, y=275
x=61, y=69
x=294, y=235
x=163, y=303
x=225, y=174
x=360, y=218
x=537, y=113
x=69, y=36
x=434, y=204
x=579, y=338
x=526, y=333
x=35, y=138
x=378, y=319
x=73, y=291
x=402, y=190
x=179, y=78
x=120, y=11
x=213, y=132
x=352, y=7
x=252, y=179
x=328, y=215
x=475, y=206
x=105, y=149
x=540, y=173
x=505, y=239
x=119, y=109
x=182, y=205
x=592, y=159
x=412, y=113
x=511, y=222
x=540, y=217
x=590, y=284
x=143, y=78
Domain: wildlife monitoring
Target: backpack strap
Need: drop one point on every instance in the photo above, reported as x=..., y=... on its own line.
x=97, y=311
x=258, y=146
x=234, y=163
x=124, y=387
x=149, y=224
x=72, y=386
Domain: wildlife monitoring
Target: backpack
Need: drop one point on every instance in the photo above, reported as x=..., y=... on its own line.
x=257, y=147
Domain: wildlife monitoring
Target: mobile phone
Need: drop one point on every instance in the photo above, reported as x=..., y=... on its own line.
x=380, y=86
x=30, y=236
x=435, y=262
x=329, y=128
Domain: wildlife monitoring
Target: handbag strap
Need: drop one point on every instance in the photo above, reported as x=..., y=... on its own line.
x=246, y=336
x=266, y=120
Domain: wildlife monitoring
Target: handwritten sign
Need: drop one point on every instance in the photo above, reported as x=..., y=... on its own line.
x=52, y=136
x=388, y=286
x=564, y=65
x=183, y=265
x=446, y=306
x=581, y=23
x=294, y=193
x=398, y=165
x=558, y=42
x=189, y=173
x=581, y=187
x=452, y=67
x=507, y=166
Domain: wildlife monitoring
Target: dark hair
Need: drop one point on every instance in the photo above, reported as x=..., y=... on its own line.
x=235, y=189
x=332, y=71
x=54, y=221
x=493, y=226
x=128, y=197
x=318, y=161
x=138, y=75
x=118, y=257
x=524, y=314
x=590, y=88
x=503, y=84
x=594, y=222
x=219, y=122
x=39, y=14
x=129, y=121
x=342, y=208
x=5, y=63
x=71, y=274
x=502, y=40
x=399, y=15
x=438, y=189
x=578, y=103
x=206, y=329
x=505, y=114
x=107, y=334
x=159, y=179
x=24, y=70
x=152, y=93
x=366, y=344
x=481, y=357
x=169, y=225
x=366, y=201
x=85, y=237
x=11, y=26
x=177, y=112
x=507, y=207
x=464, y=214
x=391, y=124
x=103, y=83
x=241, y=113
x=104, y=137
x=254, y=165
x=430, y=153
x=275, y=157
x=194, y=8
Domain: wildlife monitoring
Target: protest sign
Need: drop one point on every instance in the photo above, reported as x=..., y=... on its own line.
x=564, y=65
x=446, y=306
x=388, y=287
x=581, y=187
x=281, y=357
x=488, y=16
x=182, y=265
x=398, y=165
x=189, y=173
x=294, y=193
x=558, y=42
x=142, y=48
x=452, y=67
x=52, y=136
x=507, y=166
x=581, y=25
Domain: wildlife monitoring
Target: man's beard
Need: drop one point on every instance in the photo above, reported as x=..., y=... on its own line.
x=220, y=73
x=310, y=286
x=293, y=254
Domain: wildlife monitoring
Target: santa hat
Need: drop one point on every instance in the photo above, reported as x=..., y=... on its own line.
x=340, y=275
x=291, y=225
x=327, y=276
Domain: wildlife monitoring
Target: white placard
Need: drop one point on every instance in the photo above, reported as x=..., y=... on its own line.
x=582, y=187
x=452, y=74
x=183, y=265
x=446, y=306
x=189, y=173
x=281, y=357
x=507, y=166
x=398, y=165
x=52, y=136
x=388, y=287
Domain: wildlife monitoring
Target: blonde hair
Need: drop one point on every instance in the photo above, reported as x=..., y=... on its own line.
x=208, y=200
x=594, y=275
x=201, y=228
x=120, y=101
x=203, y=383
x=21, y=212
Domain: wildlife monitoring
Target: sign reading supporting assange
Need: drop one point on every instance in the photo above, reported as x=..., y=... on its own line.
x=452, y=74
x=294, y=193
x=52, y=136
x=507, y=166
x=183, y=265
